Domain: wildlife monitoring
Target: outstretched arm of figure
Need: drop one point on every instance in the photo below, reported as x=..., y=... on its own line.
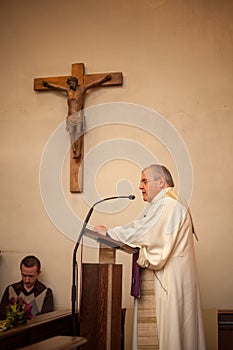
x=54, y=86
x=99, y=82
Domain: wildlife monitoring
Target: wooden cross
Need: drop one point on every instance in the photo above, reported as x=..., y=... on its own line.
x=84, y=83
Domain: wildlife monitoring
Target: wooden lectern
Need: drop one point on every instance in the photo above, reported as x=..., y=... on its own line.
x=101, y=293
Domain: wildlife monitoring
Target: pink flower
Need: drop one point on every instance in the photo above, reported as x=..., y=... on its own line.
x=28, y=314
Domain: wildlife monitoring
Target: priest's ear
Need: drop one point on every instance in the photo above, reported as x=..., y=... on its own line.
x=162, y=182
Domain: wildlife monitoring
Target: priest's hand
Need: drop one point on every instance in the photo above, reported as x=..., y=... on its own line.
x=101, y=229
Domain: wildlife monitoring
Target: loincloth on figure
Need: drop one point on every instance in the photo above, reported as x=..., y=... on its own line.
x=76, y=122
x=76, y=125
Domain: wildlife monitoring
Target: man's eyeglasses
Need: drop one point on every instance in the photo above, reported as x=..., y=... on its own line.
x=145, y=181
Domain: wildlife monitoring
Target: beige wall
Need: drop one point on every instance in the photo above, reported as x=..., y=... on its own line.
x=176, y=58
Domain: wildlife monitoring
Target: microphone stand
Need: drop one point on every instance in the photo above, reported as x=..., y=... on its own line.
x=74, y=288
x=74, y=291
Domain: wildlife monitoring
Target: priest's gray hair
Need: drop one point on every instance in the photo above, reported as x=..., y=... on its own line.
x=158, y=170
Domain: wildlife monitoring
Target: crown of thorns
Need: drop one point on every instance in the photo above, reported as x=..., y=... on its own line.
x=71, y=79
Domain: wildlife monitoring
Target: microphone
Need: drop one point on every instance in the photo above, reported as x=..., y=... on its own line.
x=73, y=296
x=131, y=197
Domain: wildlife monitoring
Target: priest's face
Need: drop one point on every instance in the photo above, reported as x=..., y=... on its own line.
x=150, y=186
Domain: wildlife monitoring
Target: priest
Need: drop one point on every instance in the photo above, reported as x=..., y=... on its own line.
x=165, y=238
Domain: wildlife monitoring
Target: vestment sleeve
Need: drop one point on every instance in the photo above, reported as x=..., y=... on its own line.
x=167, y=237
x=158, y=233
x=130, y=233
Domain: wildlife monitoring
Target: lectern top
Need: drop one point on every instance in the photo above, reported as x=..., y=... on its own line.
x=109, y=241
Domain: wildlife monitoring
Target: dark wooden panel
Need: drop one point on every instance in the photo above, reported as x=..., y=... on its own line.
x=225, y=329
x=116, y=307
x=100, y=319
x=93, y=305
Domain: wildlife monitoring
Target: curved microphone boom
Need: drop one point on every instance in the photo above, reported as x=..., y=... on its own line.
x=73, y=292
x=131, y=197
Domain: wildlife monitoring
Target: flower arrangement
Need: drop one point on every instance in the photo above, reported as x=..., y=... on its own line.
x=18, y=311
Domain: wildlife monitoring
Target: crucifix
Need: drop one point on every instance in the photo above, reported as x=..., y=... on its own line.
x=75, y=87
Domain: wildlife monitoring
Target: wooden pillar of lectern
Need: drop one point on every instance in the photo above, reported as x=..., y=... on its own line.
x=100, y=311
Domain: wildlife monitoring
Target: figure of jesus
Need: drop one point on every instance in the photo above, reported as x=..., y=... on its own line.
x=75, y=120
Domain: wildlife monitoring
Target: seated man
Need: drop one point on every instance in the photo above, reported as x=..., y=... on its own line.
x=29, y=288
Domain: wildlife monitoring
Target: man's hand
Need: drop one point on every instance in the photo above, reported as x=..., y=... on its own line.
x=101, y=229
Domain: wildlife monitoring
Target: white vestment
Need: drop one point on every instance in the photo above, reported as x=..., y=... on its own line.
x=165, y=239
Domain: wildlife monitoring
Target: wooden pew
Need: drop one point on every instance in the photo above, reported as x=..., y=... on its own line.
x=41, y=327
x=57, y=343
